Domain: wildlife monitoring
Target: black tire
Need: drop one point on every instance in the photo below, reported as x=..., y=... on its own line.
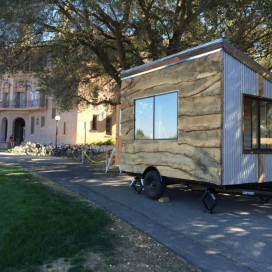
x=154, y=186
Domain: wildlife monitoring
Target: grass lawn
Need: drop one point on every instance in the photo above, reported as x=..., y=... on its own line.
x=41, y=223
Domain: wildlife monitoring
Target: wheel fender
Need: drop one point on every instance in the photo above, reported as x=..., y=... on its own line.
x=151, y=168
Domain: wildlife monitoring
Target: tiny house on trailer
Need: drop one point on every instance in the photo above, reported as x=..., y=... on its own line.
x=201, y=116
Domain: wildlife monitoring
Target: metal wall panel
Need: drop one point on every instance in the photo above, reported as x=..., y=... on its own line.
x=267, y=158
x=238, y=168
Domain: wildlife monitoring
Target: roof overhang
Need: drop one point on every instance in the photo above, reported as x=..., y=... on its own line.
x=193, y=53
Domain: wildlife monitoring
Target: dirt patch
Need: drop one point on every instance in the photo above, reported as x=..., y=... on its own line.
x=136, y=252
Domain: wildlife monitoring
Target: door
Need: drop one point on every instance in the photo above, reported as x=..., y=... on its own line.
x=19, y=131
x=20, y=100
x=4, y=130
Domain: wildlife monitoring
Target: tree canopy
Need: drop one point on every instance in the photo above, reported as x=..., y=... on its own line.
x=87, y=43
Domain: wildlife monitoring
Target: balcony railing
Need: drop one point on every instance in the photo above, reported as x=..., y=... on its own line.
x=4, y=104
x=17, y=104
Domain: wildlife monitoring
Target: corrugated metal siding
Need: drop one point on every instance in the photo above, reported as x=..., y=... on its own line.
x=267, y=158
x=238, y=168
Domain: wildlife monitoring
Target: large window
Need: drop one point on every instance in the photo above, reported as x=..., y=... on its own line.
x=20, y=100
x=156, y=117
x=34, y=96
x=257, y=124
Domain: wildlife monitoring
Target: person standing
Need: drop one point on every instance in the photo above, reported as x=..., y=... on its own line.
x=11, y=141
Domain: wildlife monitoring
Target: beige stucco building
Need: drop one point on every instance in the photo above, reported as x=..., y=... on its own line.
x=30, y=116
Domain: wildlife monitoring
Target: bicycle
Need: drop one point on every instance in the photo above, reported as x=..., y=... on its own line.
x=88, y=152
x=97, y=150
x=34, y=149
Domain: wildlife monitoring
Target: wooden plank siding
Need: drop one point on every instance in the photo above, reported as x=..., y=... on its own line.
x=196, y=154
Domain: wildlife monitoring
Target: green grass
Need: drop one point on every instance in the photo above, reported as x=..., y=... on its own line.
x=40, y=223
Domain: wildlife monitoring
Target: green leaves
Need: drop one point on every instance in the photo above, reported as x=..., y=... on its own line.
x=91, y=42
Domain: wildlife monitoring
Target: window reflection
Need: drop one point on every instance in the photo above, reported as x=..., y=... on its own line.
x=266, y=125
x=144, y=118
x=166, y=116
x=254, y=121
x=156, y=117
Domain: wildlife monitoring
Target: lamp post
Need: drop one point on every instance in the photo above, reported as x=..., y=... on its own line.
x=57, y=118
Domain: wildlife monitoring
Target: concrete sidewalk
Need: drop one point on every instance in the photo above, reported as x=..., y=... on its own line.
x=238, y=237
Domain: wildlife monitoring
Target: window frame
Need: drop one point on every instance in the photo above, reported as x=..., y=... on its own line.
x=154, y=117
x=109, y=118
x=258, y=99
x=32, y=125
x=42, y=121
x=53, y=113
x=94, y=124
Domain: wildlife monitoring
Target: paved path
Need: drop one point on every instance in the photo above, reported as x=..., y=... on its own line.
x=238, y=237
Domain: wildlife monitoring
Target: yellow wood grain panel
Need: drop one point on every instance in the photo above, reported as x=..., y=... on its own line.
x=196, y=155
x=203, y=122
x=200, y=105
x=207, y=138
x=199, y=68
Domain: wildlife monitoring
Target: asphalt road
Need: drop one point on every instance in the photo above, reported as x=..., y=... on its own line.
x=238, y=237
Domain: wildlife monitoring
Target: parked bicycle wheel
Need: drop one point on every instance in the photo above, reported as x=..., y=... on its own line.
x=89, y=154
x=78, y=156
x=31, y=151
x=97, y=150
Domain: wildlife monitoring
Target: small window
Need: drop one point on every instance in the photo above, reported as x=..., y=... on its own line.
x=32, y=125
x=54, y=113
x=94, y=122
x=42, y=121
x=257, y=124
x=37, y=121
x=108, y=126
x=64, y=128
x=156, y=117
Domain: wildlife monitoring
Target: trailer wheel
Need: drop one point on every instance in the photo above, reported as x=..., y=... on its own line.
x=154, y=186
